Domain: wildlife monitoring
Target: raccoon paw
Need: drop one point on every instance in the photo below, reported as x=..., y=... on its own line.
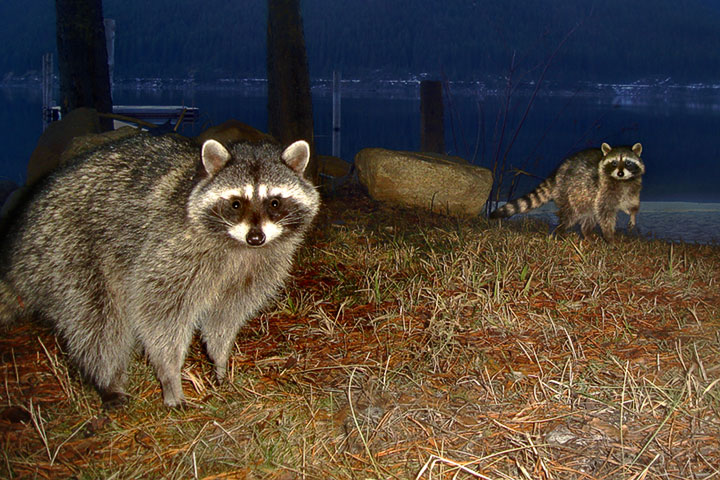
x=634, y=231
x=220, y=375
x=609, y=237
x=174, y=401
x=113, y=400
x=183, y=406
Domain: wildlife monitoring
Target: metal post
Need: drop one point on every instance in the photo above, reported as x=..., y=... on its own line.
x=336, y=114
x=47, y=89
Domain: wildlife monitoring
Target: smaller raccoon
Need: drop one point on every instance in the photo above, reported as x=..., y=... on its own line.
x=589, y=188
x=146, y=240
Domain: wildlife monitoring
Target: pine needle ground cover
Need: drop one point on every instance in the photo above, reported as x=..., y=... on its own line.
x=413, y=346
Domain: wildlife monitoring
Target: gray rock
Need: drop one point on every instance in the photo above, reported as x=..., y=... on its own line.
x=440, y=183
x=233, y=131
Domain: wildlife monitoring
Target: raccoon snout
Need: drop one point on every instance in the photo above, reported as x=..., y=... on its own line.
x=620, y=173
x=255, y=237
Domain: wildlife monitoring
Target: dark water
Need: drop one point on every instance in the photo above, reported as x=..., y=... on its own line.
x=680, y=137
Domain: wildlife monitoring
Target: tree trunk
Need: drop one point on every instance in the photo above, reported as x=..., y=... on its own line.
x=82, y=57
x=289, y=98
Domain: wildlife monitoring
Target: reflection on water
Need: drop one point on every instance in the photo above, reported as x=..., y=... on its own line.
x=675, y=221
x=681, y=146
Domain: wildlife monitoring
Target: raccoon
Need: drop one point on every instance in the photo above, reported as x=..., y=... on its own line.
x=148, y=239
x=589, y=188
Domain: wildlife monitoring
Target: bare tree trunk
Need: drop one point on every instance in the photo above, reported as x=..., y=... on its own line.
x=289, y=98
x=83, y=61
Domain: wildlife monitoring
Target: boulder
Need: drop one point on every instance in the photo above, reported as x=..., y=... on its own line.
x=56, y=137
x=333, y=166
x=16, y=198
x=332, y=172
x=435, y=182
x=85, y=143
x=233, y=131
x=7, y=187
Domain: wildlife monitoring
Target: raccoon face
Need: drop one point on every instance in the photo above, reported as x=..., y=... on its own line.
x=256, y=216
x=622, y=163
x=256, y=200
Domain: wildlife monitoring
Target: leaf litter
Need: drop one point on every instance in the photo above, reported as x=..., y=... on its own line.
x=413, y=346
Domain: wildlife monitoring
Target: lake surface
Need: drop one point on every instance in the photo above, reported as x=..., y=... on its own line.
x=680, y=134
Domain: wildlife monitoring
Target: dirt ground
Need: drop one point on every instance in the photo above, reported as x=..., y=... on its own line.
x=410, y=345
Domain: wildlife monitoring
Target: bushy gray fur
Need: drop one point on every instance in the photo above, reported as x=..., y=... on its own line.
x=134, y=243
x=589, y=188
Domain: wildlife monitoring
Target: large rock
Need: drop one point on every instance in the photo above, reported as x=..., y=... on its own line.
x=86, y=143
x=440, y=183
x=333, y=166
x=7, y=187
x=55, y=139
x=233, y=131
x=332, y=172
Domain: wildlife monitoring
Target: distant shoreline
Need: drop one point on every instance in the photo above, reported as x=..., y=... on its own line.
x=640, y=89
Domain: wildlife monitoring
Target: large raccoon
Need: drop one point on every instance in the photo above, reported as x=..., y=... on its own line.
x=589, y=188
x=150, y=238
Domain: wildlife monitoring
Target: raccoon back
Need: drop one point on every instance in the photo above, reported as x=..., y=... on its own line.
x=579, y=168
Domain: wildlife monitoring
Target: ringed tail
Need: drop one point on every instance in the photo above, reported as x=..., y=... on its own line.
x=540, y=196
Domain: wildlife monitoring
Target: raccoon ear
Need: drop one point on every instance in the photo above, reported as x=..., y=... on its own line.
x=637, y=149
x=605, y=148
x=214, y=156
x=296, y=156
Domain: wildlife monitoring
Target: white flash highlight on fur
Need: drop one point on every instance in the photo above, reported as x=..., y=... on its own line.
x=239, y=232
x=282, y=191
x=271, y=230
x=236, y=193
x=287, y=191
x=262, y=190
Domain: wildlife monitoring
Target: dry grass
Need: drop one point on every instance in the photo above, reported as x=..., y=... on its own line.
x=415, y=347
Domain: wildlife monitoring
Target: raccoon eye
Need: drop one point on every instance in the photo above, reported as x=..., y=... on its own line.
x=236, y=204
x=614, y=163
x=274, y=203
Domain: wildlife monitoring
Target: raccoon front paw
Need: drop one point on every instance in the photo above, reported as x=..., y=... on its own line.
x=183, y=406
x=634, y=229
x=173, y=396
x=221, y=373
x=114, y=400
x=175, y=402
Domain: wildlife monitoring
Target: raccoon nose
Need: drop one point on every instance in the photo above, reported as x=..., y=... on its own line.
x=255, y=237
x=621, y=173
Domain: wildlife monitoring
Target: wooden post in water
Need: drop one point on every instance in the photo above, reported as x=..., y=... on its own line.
x=82, y=57
x=337, y=77
x=289, y=96
x=432, y=126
